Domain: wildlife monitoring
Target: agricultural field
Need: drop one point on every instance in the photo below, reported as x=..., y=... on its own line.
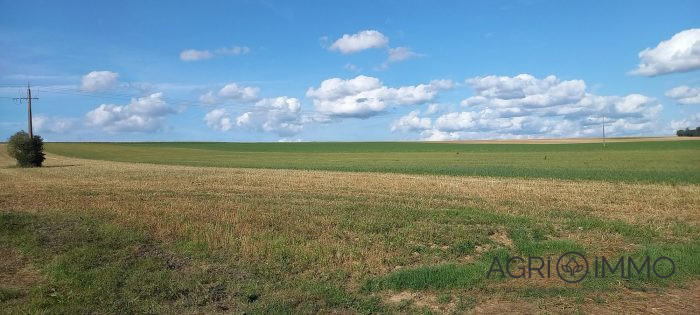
x=648, y=161
x=346, y=227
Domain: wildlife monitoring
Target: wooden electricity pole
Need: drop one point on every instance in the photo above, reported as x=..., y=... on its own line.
x=29, y=99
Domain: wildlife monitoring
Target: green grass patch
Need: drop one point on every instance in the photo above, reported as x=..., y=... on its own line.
x=7, y=294
x=90, y=266
x=445, y=276
x=647, y=161
x=685, y=256
x=530, y=239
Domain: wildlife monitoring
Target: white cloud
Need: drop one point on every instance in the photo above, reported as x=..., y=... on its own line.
x=398, y=54
x=365, y=96
x=239, y=93
x=289, y=140
x=401, y=53
x=456, y=121
x=437, y=108
x=369, y=39
x=411, y=122
x=525, y=106
x=235, y=50
x=281, y=115
x=685, y=95
x=98, y=81
x=231, y=92
x=145, y=114
x=690, y=122
x=360, y=41
x=523, y=90
x=42, y=123
x=438, y=135
x=219, y=119
x=194, y=55
x=442, y=84
x=679, y=54
x=208, y=98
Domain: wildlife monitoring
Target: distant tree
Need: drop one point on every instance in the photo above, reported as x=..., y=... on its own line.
x=688, y=132
x=29, y=152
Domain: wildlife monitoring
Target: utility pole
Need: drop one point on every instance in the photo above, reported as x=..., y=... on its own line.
x=29, y=99
x=603, y=130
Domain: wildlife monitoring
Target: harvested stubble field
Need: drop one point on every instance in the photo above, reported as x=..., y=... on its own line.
x=344, y=227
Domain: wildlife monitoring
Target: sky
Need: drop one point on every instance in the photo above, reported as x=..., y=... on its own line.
x=349, y=70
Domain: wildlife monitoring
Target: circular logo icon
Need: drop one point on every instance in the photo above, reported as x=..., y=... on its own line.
x=572, y=267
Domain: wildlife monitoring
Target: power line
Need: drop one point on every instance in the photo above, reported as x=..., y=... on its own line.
x=124, y=97
x=128, y=97
x=29, y=99
x=120, y=96
x=83, y=94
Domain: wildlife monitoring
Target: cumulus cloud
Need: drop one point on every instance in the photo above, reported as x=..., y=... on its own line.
x=219, y=119
x=42, y=123
x=523, y=90
x=456, y=121
x=194, y=55
x=685, y=95
x=525, y=106
x=369, y=39
x=98, y=81
x=232, y=92
x=364, y=96
x=435, y=108
x=411, y=122
x=681, y=53
x=438, y=135
x=208, y=98
x=281, y=115
x=360, y=41
x=145, y=114
x=237, y=92
x=690, y=122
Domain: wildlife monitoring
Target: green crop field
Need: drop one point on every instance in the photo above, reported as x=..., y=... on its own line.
x=652, y=161
x=346, y=227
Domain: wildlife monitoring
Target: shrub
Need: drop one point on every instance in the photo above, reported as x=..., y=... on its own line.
x=29, y=152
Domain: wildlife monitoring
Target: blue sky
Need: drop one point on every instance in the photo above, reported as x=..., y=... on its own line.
x=349, y=70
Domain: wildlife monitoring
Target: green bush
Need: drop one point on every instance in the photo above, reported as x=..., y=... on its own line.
x=29, y=152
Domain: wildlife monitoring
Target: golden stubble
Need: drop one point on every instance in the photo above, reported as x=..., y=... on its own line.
x=318, y=218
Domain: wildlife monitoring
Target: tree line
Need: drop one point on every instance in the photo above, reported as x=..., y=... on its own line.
x=688, y=132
